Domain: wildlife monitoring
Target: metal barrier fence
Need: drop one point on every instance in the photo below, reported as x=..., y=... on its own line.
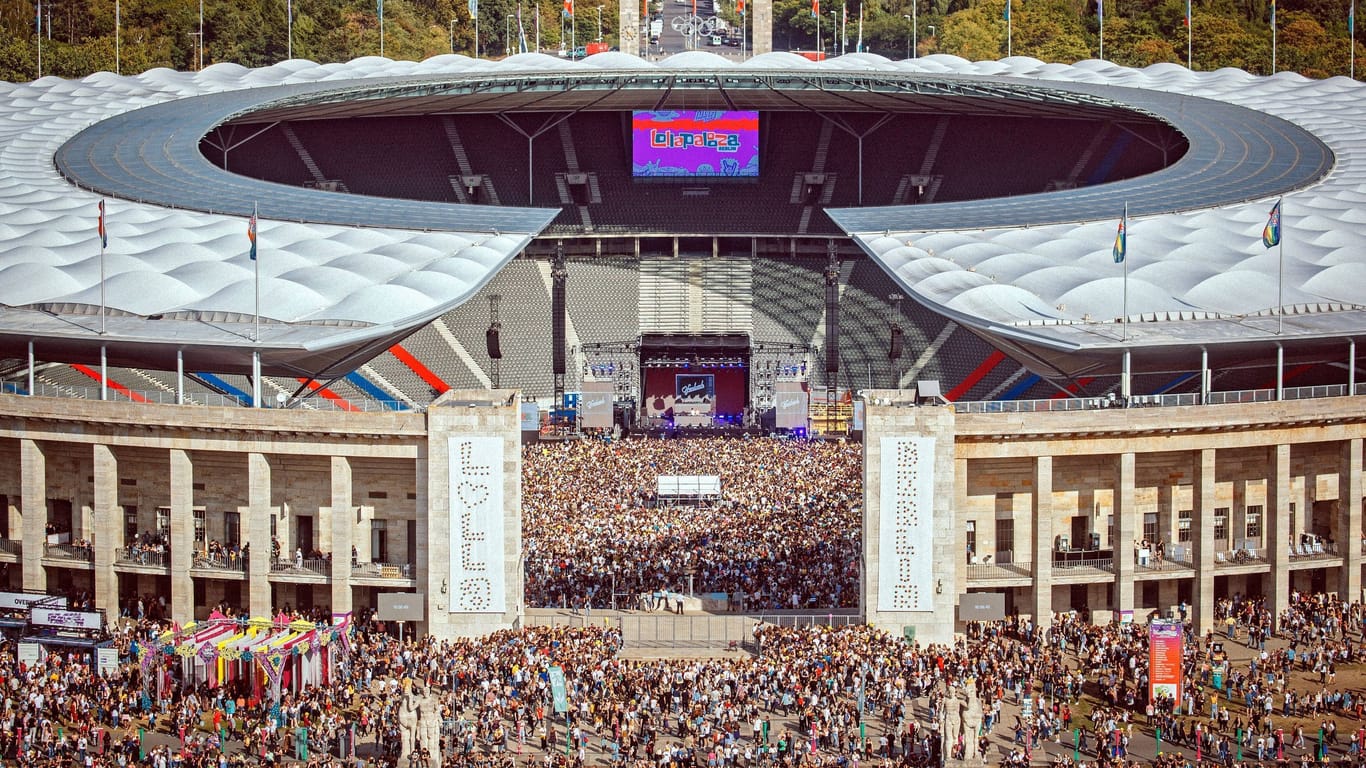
x=1156, y=401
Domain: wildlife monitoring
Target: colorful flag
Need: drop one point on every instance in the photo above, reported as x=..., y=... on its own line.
x=1188, y=13
x=1100, y=9
x=38, y=18
x=1352, y=18
x=1273, y=13
x=816, y=8
x=104, y=236
x=1006, y=15
x=251, y=235
x=740, y=7
x=1271, y=233
x=569, y=7
x=1121, y=240
x=474, y=8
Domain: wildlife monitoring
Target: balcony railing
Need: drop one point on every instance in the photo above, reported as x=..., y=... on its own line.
x=1155, y=401
x=12, y=546
x=1095, y=564
x=83, y=553
x=1318, y=549
x=382, y=570
x=1247, y=556
x=984, y=571
x=220, y=562
x=312, y=567
x=143, y=556
x=164, y=397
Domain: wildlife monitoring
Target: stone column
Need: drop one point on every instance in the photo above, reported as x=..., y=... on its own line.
x=106, y=536
x=1349, y=520
x=762, y=36
x=1126, y=514
x=258, y=533
x=1043, y=541
x=342, y=521
x=182, y=535
x=1278, y=528
x=1202, y=536
x=33, y=479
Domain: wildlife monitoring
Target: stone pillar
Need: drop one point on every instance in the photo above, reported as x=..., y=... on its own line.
x=1278, y=528
x=762, y=36
x=1202, y=536
x=343, y=522
x=1350, y=536
x=1043, y=541
x=628, y=27
x=106, y=536
x=182, y=535
x=33, y=479
x=258, y=533
x=1126, y=514
x=909, y=481
x=469, y=536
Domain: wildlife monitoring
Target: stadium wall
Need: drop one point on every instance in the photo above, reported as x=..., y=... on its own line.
x=1260, y=498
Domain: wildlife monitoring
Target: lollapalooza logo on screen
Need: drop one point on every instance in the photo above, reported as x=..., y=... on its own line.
x=695, y=143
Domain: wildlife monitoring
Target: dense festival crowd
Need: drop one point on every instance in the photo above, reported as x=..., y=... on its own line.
x=794, y=702
x=785, y=532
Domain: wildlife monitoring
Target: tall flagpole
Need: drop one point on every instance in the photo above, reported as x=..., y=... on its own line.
x=1125, y=253
x=1280, y=267
x=39, y=26
x=289, y=26
x=1190, y=26
x=118, y=68
x=1352, y=36
x=256, y=260
x=1009, y=42
x=103, y=241
x=381, y=28
x=1273, y=37
x=1100, y=13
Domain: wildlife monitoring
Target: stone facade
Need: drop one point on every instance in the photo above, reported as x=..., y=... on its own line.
x=1259, y=498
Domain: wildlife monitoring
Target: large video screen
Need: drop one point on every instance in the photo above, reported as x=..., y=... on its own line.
x=694, y=143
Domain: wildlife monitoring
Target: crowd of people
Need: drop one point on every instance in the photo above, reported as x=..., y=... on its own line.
x=784, y=533
x=817, y=696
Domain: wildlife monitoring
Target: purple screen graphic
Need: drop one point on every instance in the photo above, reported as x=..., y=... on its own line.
x=695, y=143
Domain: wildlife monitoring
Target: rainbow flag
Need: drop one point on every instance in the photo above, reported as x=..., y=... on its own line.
x=1271, y=233
x=104, y=235
x=1121, y=241
x=251, y=235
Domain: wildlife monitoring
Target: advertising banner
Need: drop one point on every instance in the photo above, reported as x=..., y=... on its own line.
x=557, y=690
x=906, y=525
x=595, y=404
x=476, y=520
x=531, y=417
x=400, y=606
x=106, y=661
x=54, y=617
x=791, y=409
x=1164, y=661
x=18, y=601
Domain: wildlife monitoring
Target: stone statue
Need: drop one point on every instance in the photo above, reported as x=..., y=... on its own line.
x=409, y=711
x=429, y=726
x=951, y=722
x=972, y=724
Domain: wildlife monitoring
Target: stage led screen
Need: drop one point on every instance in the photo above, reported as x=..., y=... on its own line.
x=694, y=144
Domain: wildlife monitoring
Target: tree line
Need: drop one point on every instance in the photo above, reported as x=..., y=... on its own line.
x=79, y=36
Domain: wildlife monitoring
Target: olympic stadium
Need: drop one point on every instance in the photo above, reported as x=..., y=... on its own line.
x=395, y=198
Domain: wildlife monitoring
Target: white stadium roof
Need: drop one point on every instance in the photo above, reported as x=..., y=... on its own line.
x=332, y=292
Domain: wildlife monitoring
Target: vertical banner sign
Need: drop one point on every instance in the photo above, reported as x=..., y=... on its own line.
x=557, y=690
x=1164, y=661
x=906, y=527
x=476, y=520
